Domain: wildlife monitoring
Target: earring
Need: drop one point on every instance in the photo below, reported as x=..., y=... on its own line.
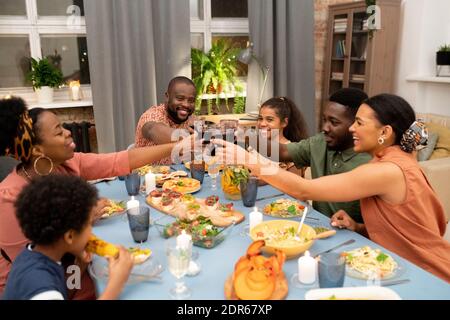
x=35, y=165
x=380, y=140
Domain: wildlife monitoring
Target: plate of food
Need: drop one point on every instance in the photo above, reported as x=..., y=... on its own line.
x=182, y=185
x=284, y=208
x=355, y=293
x=187, y=206
x=204, y=233
x=154, y=169
x=105, y=249
x=114, y=208
x=371, y=264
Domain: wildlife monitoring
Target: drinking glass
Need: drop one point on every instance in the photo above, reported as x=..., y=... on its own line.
x=139, y=221
x=331, y=270
x=133, y=183
x=198, y=170
x=249, y=190
x=178, y=259
x=213, y=171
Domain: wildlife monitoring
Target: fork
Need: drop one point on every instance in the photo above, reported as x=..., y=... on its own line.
x=393, y=282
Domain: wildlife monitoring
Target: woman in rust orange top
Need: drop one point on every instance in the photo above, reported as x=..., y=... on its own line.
x=43, y=146
x=400, y=209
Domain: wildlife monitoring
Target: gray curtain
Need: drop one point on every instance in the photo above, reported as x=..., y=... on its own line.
x=282, y=32
x=135, y=48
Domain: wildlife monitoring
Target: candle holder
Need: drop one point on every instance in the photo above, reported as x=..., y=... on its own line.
x=300, y=285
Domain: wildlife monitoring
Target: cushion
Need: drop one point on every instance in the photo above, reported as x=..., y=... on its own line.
x=425, y=153
x=442, y=149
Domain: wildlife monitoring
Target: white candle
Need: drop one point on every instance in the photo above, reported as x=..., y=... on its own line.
x=255, y=218
x=184, y=240
x=75, y=93
x=133, y=204
x=150, y=182
x=307, y=269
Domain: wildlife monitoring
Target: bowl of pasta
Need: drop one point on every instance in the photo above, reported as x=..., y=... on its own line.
x=282, y=235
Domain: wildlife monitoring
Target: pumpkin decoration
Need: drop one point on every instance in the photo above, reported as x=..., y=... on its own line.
x=257, y=277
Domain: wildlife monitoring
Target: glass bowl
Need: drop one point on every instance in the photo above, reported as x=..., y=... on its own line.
x=203, y=234
x=148, y=271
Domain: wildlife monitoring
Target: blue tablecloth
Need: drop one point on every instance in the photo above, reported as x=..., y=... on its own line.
x=218, y=263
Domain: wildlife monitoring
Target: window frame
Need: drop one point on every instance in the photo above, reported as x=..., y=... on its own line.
x=209, y=25
x=36, y=26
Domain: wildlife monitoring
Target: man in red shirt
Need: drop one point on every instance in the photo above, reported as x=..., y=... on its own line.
x=159, y=122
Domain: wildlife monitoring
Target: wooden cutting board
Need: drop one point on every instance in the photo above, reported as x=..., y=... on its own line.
x=218, y=220
x=280, y=292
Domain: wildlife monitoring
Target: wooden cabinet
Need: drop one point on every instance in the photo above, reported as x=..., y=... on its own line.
x=359, y=58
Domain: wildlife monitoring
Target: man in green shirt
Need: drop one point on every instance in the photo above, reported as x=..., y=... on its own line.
x=331, y=151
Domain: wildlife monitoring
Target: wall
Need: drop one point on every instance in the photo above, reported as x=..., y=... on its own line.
x=425, y=26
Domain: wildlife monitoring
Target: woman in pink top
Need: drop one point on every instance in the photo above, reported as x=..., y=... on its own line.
x=43, y=146
x=400, y=209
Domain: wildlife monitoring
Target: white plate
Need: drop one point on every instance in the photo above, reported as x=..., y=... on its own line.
x=399, y=271
x=355, y=293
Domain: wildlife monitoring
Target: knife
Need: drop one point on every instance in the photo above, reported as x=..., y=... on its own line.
x=270, y=197
x=338, y=246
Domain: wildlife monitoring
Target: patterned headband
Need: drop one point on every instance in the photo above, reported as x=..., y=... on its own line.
x=23, y=142
x=416, y=135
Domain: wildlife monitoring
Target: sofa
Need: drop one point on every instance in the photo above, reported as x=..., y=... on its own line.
x=437, y=166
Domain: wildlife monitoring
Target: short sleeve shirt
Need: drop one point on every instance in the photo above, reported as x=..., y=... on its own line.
x=157, y=114
x=313, y=152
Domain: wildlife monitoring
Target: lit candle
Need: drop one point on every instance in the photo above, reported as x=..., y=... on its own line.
x=255, y=218
x=150, y=182
x=307, y=269
x=75, y=88
x=131, y=204
x=184, y=240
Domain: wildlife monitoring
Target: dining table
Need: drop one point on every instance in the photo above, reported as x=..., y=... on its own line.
x=217, y=264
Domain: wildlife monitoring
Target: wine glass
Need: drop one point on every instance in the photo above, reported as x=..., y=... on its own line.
x=213, y=171
x=178, y=264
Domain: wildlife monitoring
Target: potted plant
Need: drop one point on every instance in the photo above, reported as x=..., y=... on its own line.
x=443, y=55
x=215, y=72
x=45, y=77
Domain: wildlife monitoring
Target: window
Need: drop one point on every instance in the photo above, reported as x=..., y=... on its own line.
x=55, y=29
x=214, y=19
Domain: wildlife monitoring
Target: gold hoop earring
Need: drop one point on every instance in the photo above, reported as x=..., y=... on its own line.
x=380, y=140
x=35, y=165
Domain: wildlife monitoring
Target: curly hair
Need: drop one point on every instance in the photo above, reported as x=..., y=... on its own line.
x=11, y=110
x=50, y=206
x=284, y=107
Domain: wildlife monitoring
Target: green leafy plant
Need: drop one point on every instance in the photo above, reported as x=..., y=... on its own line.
x=444, y=48
x=43, y=73
x=215, y=72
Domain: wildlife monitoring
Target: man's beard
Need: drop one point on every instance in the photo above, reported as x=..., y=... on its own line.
x=174, y=116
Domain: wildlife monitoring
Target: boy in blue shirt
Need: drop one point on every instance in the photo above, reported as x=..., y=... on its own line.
x=55, y=213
